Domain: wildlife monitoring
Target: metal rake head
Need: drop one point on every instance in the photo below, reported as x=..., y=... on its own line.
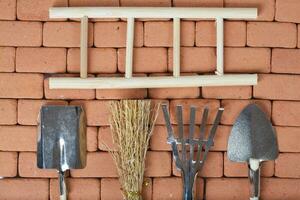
x=187, y=162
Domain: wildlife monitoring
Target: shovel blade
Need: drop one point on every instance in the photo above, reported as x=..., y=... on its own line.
x=61, y=138
x=252, y=136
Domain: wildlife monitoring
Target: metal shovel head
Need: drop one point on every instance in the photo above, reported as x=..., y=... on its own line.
x=61, y=138
x=252, y=136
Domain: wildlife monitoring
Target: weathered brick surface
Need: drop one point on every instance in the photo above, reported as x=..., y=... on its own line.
x=93, y=3
x=100, y=60
x=21, y=85
x=64, y=34
x=7, y=59
x=287, y=165
x=43, y=60
x=151, y=3
x=286, y=61
x=10, y=164
x=158, y=164
x=235, y=92
x=197, y=3
x=287, y=11
x=286, y=113
x=8, y=111
x=113, y=34
x=91, y=138
x=234, y=33
x=37, y=10
x=86, y=188
x=288, y=138
x=18, y=138
x=8, y=9
x=28, y=189
x=18, y=33
x=267, y=34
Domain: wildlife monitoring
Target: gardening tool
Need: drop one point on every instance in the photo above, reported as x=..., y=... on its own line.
x=188, y=165
x=61, y=141
x=252, y=140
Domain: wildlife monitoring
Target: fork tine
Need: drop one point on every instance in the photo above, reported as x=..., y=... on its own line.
x=171, y=138
x=180, y=131
x=191, y=133
x=212, y=133
x=202, y=131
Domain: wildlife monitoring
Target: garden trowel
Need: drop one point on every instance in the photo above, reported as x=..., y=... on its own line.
x=252, y=140
x=61, y=141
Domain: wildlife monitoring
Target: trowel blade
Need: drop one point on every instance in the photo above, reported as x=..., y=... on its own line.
x=252, y=136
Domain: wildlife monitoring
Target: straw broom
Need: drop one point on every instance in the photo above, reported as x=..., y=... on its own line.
x=132, y=123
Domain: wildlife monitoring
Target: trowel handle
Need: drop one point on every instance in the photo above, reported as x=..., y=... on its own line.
x=254, y=177
x=62, y=186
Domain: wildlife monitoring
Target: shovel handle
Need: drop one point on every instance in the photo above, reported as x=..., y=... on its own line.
x=62, y=186
x=254, y=177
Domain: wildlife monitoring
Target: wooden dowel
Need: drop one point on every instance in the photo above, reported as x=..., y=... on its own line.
x=129, y=47
x=176, y=47
x=220, y=46
x=84, y=47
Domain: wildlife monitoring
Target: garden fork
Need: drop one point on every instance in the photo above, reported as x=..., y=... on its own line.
x=189, y=166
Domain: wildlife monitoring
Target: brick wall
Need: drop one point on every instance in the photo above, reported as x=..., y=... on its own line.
x=32, y=48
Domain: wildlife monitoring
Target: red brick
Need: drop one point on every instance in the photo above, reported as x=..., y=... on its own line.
x=18, y=138
x=190, y=61
x=37, y=10
x=158, y=141
x=9, y=169
x=64, y=34
x=234, y=169
x=145, y=60
x=160, y=117
x=213, y=166
x=18, y=85
x=100, y=60
x=278, y=189
x=105, y=141
x=234, y=92
x=234, y=33
x=8, y=9
x=266, y=34
x=7, y=59
x=158, y=164
x=247, y=60
x=227, y=188
x=113, y=34
x=67, y=93
x=98, y=164
x=298, y=27
x=286, y=61
x=232, y=108
x=213, y=106
x=8, y=111
x=198, y=3
x=286, y=113
x=43, y=60
x=91, y=137
x=172, y=191
x=95, y=110
x=28, y=167
x=266, y=8
x=287, y=165
x=288, y=139
x=174, y=93
x=78, y=189
x=152, y=3
x=28, y=110
x=93, y=3
x=29, y=189
x=287, y=11
x=160, y=34
x=17, y=33
x=111, y=189
x=271, y=86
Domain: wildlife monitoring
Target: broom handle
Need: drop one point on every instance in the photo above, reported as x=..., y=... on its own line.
x=62, y=186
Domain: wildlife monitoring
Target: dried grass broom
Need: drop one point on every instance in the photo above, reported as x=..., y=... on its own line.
x=132, y=123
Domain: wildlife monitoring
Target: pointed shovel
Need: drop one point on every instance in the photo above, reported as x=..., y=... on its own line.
x=252, y=140
x=61, y=141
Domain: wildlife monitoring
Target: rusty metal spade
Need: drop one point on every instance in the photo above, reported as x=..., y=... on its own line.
x=61, y=141
x=252, y=140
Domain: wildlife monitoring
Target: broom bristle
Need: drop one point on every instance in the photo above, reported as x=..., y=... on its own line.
x=132, y=123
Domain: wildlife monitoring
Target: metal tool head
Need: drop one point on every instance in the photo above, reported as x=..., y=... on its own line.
x=61, y=138
x=252, y=136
